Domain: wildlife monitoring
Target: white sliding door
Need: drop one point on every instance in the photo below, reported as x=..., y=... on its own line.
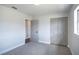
x=58, y=30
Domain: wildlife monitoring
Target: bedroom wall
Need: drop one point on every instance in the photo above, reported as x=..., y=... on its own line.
x=73, y=39
x=12, y=28
x=44, y=29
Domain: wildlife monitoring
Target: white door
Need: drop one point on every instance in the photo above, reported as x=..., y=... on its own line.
x=34, y=30
x=58, y=30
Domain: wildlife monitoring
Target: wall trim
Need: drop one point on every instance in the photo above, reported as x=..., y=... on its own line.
x=59, y=45
x=7, y=50
x=44, y=42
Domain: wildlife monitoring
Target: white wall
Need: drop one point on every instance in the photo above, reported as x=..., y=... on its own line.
x=12, y=28
x=73, y=39
x=44, y=29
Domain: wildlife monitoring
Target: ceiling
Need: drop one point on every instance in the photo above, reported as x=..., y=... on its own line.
x=42, y=9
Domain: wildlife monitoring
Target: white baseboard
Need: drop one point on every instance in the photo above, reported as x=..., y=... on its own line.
x=7, y=50
x=44, y=42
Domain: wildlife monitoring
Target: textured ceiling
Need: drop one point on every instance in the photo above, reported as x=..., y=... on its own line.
x=42, y=9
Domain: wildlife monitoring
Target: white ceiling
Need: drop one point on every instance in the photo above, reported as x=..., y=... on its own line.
x=42, y=9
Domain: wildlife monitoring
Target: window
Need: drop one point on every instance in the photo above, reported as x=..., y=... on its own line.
x=76, y=21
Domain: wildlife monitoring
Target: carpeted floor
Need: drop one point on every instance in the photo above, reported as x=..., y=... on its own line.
x=33, y=48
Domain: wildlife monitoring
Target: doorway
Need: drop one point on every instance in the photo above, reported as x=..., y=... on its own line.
x=34, y=30
x=27, y=30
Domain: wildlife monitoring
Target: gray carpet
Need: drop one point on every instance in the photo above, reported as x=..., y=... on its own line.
x=33, y=48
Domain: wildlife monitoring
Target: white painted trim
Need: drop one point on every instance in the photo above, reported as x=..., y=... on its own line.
x=75, y=21
x=44, y=42
x=11, y=48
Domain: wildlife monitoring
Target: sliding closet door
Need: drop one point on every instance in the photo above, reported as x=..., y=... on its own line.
x=34, y=30
x=58, y=30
